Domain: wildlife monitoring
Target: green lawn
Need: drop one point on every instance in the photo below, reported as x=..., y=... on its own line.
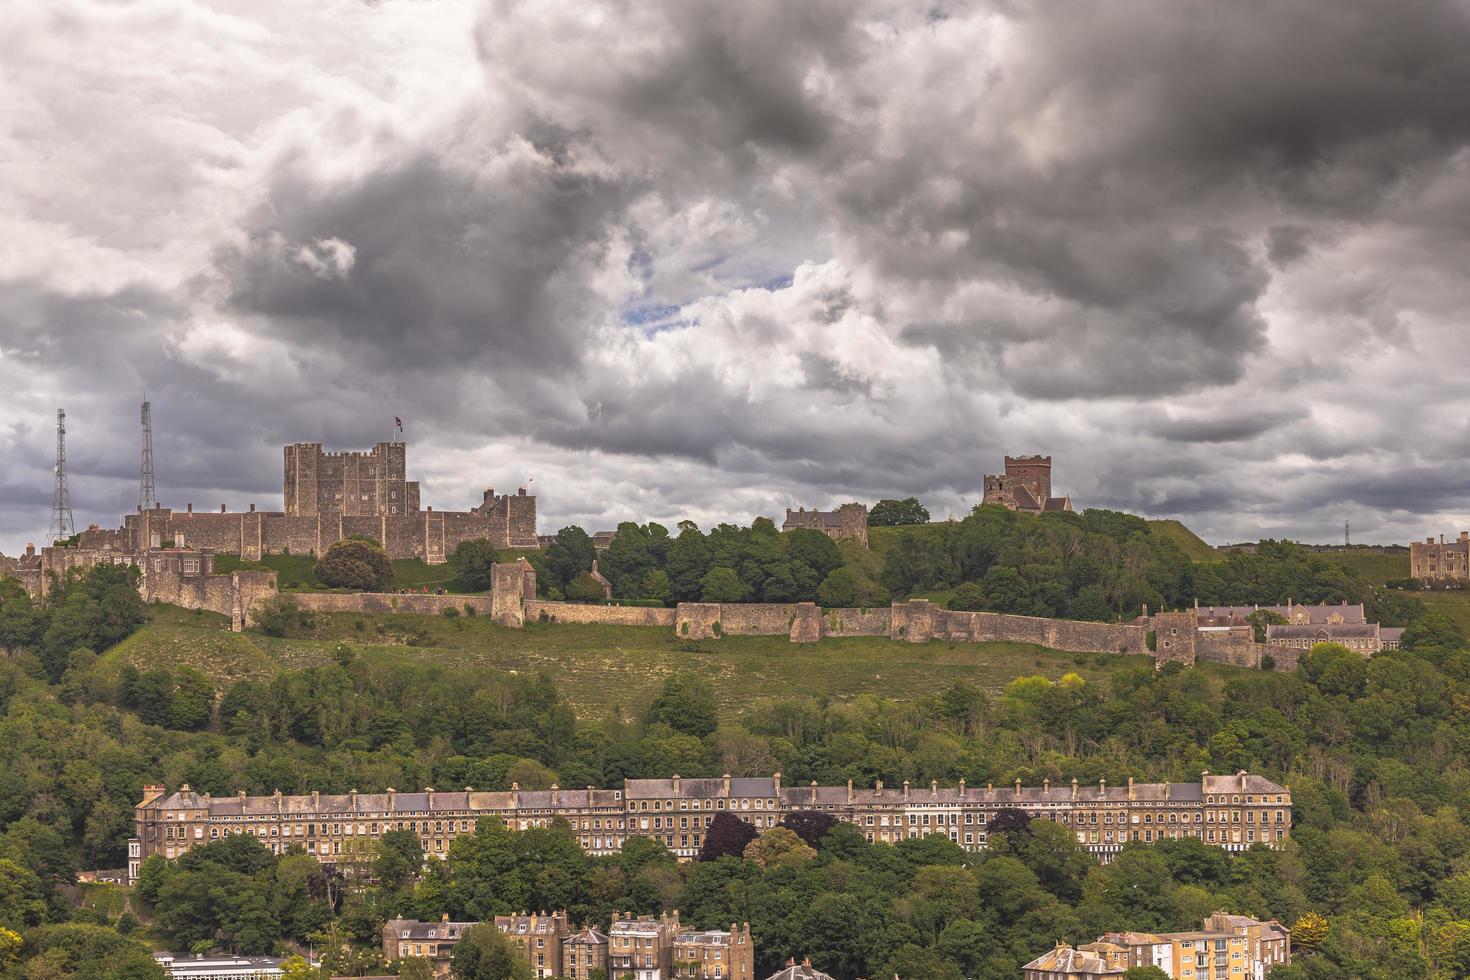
x=1375, y=567
x=1455, y=605
x=295, y=572
x=601, y=666
x=1190, y=543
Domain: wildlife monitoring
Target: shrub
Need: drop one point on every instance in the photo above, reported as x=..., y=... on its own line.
x=355, y=563
x=449, y=612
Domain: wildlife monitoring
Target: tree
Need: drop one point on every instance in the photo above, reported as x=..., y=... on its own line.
x=571, y=553
x=1144, y=973
x=686, y=704
x=726, y=836
x=471, y=562
x=1309, y=931
x=815, y=550
x=810, y=825
x=839, y=589
x=356, y=563
x=896, y=513
x=296, y=968
x=193, y=700
x=968, y=597
x=277, y=615
x=723, y=585
x=154, y=695
x=1262, y=618
x=584, y=588
x=777, y=848
x=485, y=953
x=416, y=968
x=658, y=585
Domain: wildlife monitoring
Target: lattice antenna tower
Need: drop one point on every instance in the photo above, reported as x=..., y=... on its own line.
x=146, y=495
x=62, y=523
x=1347, y=538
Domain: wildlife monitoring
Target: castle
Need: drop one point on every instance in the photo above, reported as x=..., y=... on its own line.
x=328, y=497
x=332, y=496
x=1026, y=486
x=847, y=523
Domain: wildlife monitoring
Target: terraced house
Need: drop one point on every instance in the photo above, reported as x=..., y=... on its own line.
x=1229, y=811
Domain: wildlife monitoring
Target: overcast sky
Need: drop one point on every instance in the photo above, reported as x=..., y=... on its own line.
x=704, y=259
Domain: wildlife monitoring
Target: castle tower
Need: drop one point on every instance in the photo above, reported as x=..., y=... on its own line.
x=1031, y=472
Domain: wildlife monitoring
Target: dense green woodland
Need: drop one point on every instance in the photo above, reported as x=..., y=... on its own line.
x=1374, y=752
x=1096, y=565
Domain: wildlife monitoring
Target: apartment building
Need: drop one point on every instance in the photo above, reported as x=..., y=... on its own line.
x=1228, y=947
x=433, y=941
x=583, y=952
x=1230, y=811
x=714, y=954
x=642, y=947
x=539, y=937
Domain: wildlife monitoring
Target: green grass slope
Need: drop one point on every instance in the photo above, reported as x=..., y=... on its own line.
x=295, y=573
x=1376, y=568
x=598, y=667
x=1190, y=543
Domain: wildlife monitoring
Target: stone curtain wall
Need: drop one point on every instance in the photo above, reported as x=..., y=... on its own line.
x=1239, y=648
x=540, y=611
x=237, y=595
x=1175, y=635
x=1058, y=634
x=377, y=603
x=508, y=522
x=857, y=622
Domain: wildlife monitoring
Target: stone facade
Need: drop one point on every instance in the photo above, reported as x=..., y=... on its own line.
x=1444, y=561
x=642, y=947
x=1234, y=946
x=539, y=937
x=1025, y=486
x=1233, y=812
x=583, y=952
x=178, y=576
x=847, y=523
x=1175, y=638
x=332, y=496
x=433, y=941
x=714, y=954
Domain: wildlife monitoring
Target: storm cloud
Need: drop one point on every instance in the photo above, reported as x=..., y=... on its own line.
x=682, y=258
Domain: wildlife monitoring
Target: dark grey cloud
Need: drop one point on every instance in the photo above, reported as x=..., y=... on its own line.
x=706, y=258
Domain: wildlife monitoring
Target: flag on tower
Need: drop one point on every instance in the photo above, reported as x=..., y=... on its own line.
x=398, y=422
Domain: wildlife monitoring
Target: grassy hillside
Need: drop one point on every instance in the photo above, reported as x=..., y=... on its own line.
x=294, y=572
x=1374, y=567
x=1189, y=542
x=601, y=666
x=1455, y=605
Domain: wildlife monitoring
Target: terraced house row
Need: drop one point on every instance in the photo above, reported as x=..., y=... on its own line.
x=1229, y=811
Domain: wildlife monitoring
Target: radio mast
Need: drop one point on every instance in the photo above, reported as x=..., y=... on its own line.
x=146, y=496
x=62, y=523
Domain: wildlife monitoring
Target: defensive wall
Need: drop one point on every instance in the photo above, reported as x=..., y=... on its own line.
x=237, y=595
x=506, y=521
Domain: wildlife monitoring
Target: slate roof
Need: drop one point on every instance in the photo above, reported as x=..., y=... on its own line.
x=414, y=929
x=1306, y=631
x=1065, y=959
x=1317, y=613
x=699, y=789
x=587, y=936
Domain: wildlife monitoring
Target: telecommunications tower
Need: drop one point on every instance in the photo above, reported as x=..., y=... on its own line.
x=62, y=523
x=146, y=496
